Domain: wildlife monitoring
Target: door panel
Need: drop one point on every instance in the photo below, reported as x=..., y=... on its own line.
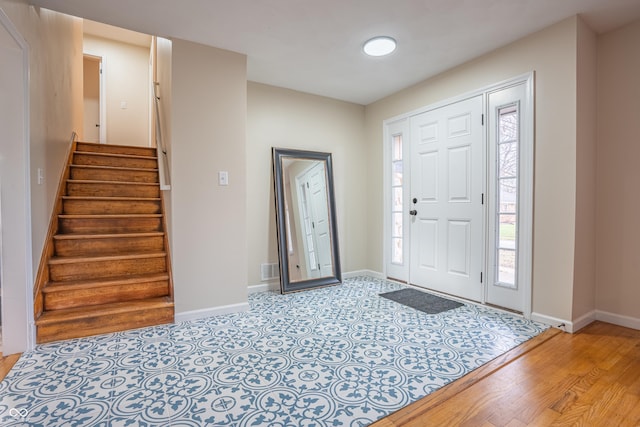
x=459, y=174
x=427, y=235
x=458, y=250
x=447, y=182
x=429, y=175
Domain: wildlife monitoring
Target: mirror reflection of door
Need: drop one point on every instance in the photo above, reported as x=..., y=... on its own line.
x=91, y=97
x=308, y=228
x=314, y=215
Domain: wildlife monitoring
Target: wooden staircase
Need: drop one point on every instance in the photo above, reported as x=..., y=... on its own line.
x=106, y=264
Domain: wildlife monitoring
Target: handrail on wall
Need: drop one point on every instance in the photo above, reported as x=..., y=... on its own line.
x=163, y=166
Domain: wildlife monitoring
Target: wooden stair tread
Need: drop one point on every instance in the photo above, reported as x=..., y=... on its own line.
x=103, y=198
x=107, y=216
x=71, y=260
x=77, y=313
x=100, y=144
x=118, y=156
x=93, y=181
x=118, y=168
x=106, y=236
x=95, y=283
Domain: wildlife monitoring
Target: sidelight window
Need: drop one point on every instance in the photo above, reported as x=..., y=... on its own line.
x=397, y=255
x=507, y=196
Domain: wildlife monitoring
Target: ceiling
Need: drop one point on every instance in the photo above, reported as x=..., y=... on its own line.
x=315, y=46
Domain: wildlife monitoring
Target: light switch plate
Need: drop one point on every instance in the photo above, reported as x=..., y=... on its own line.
x=223, y=178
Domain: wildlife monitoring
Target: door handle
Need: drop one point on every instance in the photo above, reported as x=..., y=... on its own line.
x=413, y=212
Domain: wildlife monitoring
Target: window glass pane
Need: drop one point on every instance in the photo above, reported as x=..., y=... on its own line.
x=508, y=125
x=507, y=266
x=396, y=226
x=508, y=192
x=396, y=251
x=397, y=148
x=507, y=231
x=397, y=199
x=397, y=173
x=508, y=160
x=507, y=200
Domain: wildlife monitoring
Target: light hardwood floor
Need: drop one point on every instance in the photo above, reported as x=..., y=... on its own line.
x=591, y=378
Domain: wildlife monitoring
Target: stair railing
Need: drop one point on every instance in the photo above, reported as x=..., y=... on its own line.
x=163, y=164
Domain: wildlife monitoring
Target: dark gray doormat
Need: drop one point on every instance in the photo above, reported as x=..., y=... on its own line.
x=427, y=303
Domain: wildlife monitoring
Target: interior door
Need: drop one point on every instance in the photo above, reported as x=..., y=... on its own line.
x=312, y=194
x=318, y=190
x=91, y=98
x=447, y=185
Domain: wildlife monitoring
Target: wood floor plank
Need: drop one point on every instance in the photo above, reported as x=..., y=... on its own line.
x=6, y=363
x=546, y=418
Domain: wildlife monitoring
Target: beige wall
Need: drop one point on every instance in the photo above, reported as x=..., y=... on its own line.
x=55, y=83
x=209, y=222
x=126, y=71
x=584, y=282
x=284, y=118
x=618, y=208
x=551, y=53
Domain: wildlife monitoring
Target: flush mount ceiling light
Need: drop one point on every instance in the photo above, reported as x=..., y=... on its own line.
x=379, y=46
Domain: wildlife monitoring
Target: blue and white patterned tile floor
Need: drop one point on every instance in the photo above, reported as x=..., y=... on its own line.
x=338, y=356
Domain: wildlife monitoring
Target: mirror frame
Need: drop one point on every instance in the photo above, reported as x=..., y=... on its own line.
x=286, y=286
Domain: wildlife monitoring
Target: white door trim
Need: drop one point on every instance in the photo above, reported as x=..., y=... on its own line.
x=19, y=289
x=526, y=186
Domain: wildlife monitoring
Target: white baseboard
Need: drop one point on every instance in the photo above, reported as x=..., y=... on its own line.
x=275, y=286
x=583, y=321
x=210, y=312
x=618, y=319
x=263, y=287
x=555, y=322
x=357, y=273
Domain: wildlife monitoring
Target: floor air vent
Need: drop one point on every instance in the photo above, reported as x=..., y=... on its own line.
x=269, y=271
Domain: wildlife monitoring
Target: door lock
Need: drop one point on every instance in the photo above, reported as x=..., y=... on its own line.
x=413, y=212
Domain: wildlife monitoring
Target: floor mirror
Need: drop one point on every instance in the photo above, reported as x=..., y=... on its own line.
x=306, y=220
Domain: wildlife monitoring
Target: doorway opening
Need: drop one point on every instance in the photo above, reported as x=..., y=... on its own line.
x=92, y=98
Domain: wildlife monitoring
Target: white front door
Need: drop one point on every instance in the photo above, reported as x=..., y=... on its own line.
x=446, y=201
